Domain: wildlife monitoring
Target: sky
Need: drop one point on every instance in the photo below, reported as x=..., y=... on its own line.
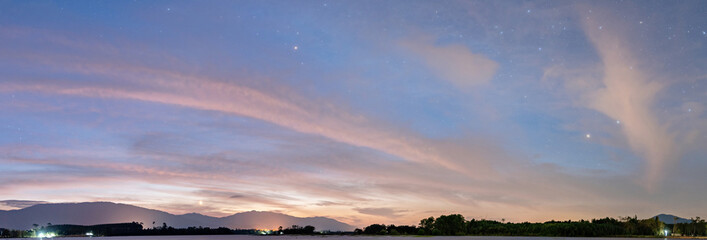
x=363, y=111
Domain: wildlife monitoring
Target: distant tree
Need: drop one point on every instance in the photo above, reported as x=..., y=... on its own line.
x=375, y=229
x=403, y=229
x=299, y=230
x=308, y=229
x=450, y=224
x=427, y=224
x=701, y=227
x=695, y=226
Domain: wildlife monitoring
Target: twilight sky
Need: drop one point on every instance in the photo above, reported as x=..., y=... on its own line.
x=364, y=111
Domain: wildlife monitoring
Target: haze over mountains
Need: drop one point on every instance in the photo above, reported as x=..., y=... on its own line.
x=91, y=213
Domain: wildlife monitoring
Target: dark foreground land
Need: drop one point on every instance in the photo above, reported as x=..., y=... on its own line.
x=445, y=225
x=136, y=229
x=456, y=225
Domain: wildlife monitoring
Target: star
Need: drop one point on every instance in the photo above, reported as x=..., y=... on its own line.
x=588, y=136
x=295, y=48
x=618, y=122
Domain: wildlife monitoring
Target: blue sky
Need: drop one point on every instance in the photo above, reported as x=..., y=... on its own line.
x=364, y=111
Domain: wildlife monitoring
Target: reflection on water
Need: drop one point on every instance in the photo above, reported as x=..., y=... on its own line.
x=290, y=237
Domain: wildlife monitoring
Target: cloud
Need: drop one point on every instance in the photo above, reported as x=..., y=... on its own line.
x=18, y=204
x=329, y=203
x=636, y=100
x=628, y=95
x=383, y=212
x=280, y=107
x=332, y=158
x=454, y=63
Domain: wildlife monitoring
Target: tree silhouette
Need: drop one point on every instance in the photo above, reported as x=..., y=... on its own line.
x=456, y=225
x=450, y=224
x=427, y=224
x=299, y=230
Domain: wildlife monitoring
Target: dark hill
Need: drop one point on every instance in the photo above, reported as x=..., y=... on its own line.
x=670, y=219
x=92, y=213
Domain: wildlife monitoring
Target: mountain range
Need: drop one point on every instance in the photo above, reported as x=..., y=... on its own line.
x=671, y=219
x=91, y=213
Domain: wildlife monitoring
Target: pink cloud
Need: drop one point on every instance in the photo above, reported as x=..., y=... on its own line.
x=454, y=63
x=628, y=95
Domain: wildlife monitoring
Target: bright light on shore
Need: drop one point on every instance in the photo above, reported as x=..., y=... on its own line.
x=46, y=235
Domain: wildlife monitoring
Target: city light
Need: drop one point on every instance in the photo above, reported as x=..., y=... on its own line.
x=46, y=235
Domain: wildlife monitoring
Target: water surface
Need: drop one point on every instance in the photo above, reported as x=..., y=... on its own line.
x=290, y=237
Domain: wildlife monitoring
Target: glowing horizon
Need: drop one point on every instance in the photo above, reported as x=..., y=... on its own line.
x=365, y=112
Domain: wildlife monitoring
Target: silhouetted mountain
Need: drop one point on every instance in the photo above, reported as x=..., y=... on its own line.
x=670, y=219
x=92, y=213
x=271, y=220
x=199, y=218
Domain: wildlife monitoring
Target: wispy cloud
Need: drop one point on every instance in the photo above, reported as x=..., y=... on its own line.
x=18, y=204
x=208, y=95
x=454, y=63
x=628, y=96
x=364, y=118
x=385, y=212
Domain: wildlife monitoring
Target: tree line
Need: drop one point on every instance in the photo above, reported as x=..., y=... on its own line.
x=117, y=229
x=447, y=225
x=455, y=224
x=136, y=229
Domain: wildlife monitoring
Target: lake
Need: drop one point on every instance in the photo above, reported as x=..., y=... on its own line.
x=256, y=237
